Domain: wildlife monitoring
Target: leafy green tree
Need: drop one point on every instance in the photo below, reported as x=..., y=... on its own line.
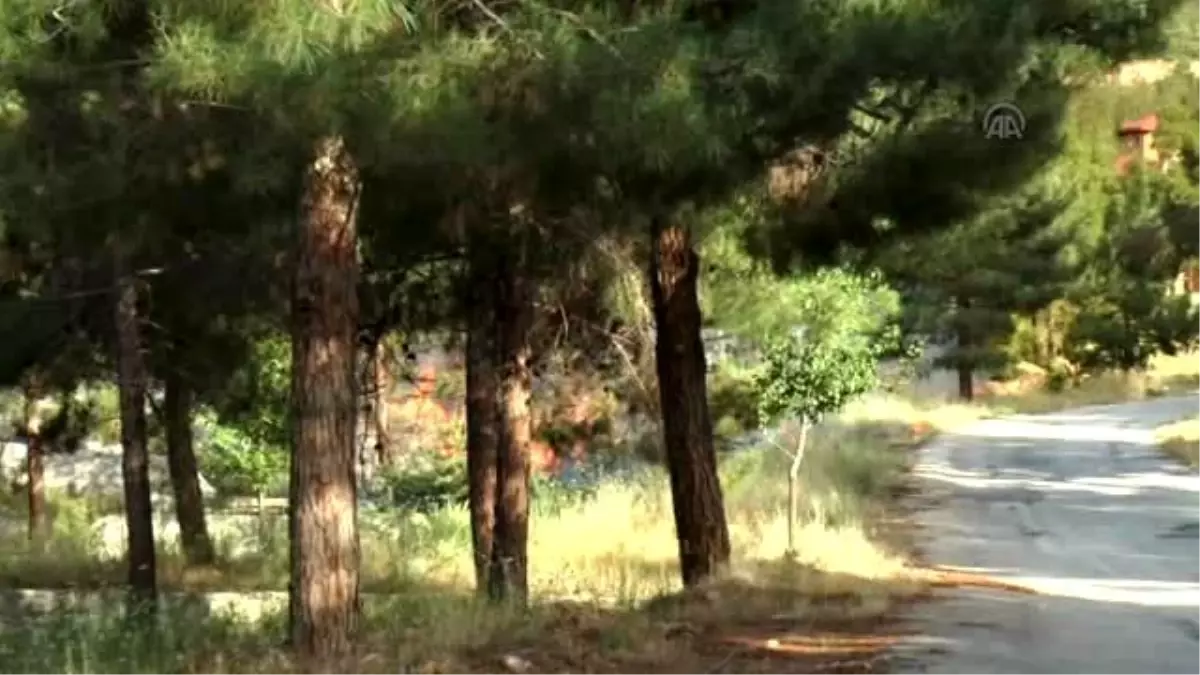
x=1127, y=313
x=821, y=365
x=972, y=280
x=316, y=70
x=77, y=76
x=238, y=464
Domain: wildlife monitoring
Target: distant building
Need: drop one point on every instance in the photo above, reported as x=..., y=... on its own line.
x=1137, y=143
x=1136, y=137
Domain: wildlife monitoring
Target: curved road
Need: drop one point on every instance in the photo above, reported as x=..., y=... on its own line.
x=1082, y=508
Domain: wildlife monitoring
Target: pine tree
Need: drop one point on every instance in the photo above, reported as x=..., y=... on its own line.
x=77, y=74
x=314, y=63
x=975, y=278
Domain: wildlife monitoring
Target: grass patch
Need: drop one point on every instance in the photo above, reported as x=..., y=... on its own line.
x=604, y=577
x=1181, y=440
x=1165, y=375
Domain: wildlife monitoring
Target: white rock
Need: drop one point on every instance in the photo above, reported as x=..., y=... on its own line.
x=516, y=664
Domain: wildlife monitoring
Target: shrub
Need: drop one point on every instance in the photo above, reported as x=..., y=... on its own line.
x=426, y=482
x=237, y=464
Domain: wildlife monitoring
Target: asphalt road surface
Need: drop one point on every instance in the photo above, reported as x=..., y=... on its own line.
x=1082, y=508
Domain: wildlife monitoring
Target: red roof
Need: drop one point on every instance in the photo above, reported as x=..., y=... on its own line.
x=1147, y=124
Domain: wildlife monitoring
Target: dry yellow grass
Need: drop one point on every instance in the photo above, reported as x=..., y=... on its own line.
x=1165, y=375
x=1181, y=440
x=604, y=574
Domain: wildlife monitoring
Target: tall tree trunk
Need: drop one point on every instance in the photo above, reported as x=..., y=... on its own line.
x=483, y=417
x=966, y=381
x=683, y=395
x=499, y=422
x=964, y=363
x=184, y=472
x=35, y=465
x=380, y=388
x=509, y=576
x=324, y=598
x=135, y=457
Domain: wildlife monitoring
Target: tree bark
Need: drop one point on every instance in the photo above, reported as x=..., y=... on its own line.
x=499, y=422
x=509, y=576
x=324, y=589
x=966, y=381
x=380, y=388
x=963, y=362
x=184, y=472
x=683, y=395
x=35, y=466
x=482, y=421
x=135, y=457
x=794, y=486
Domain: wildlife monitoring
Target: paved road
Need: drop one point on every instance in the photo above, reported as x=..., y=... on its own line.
x=1081, y=507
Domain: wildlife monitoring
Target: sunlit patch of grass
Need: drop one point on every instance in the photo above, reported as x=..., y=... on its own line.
x=1181, y=440
x=1165, y=375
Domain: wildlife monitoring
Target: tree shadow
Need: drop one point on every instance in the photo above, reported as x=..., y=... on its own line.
x=1099, y=529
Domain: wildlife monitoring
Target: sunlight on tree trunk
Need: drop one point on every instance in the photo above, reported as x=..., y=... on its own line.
x=683, y=394
x=499, y=423
x=794, y=486
x=135, y=458
x=380, y=388
x=509, y=576
x=35, y=466
x=324, y=593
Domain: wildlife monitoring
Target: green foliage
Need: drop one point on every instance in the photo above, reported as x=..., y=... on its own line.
x=436, y=483
x=832, y=356
x=245, y=435
x=1126, y=311
x=746, y=297
x=807, y=379
x=1126, y=328
x=255, y=399
x=847, y=319
x=103, y=412
x=969, y=282
x=433, y=482
x=732, y=402
x=236, y=463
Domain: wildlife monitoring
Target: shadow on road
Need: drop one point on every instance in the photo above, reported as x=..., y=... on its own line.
x=1081, y=508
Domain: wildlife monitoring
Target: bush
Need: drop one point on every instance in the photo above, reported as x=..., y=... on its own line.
x=424, y=484
x=733, y=402
x=236, y=464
